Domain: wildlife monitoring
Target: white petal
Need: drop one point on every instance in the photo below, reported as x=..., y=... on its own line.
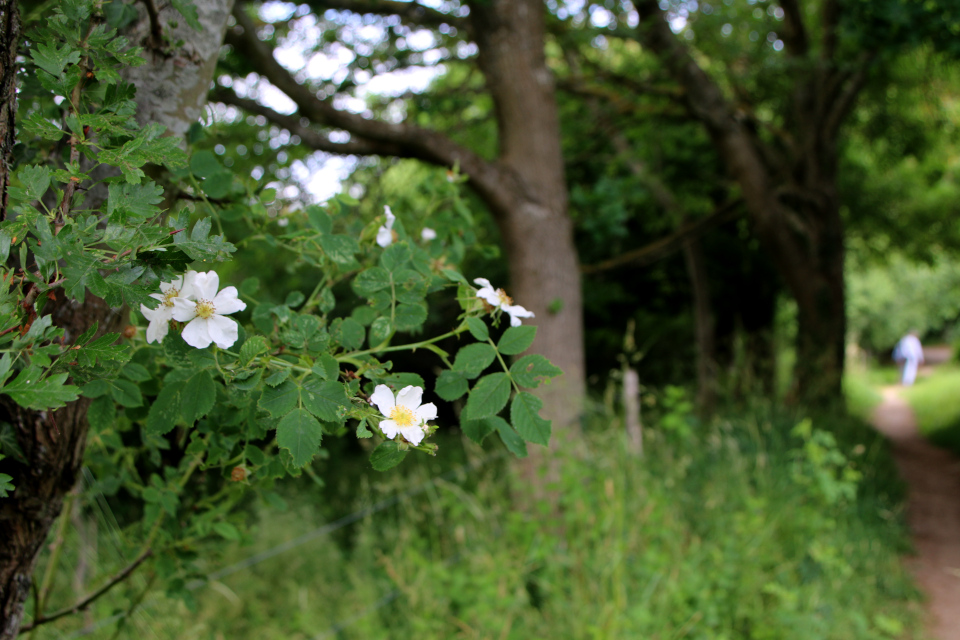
x=223, y=331
x=483, y=282
x=205, y=285
x=410, y=397
x=390, y=217
x=196, y=334
x=184, y=310
x=516, y=312
x=428, y=234
x=383, y=398
x=176, y=283
x=157, y=329
x=384, y=237
x=149, y=313
x=413, y=435
x=227, y=302
x=490, y=296
x=427, y=412
x=389, y=428
x=157, y=296
x=188, y=290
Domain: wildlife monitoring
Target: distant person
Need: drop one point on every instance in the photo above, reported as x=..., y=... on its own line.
x=908, y=354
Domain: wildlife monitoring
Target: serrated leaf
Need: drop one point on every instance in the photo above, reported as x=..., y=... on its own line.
x=380, y=330
x=101, y=414
x=478, y=329
x=167, y=259
x=488, y=397
x=472, y=359
x=395, y=256
x=125, y=393
x=510, y=438
x=102, y=349
x=533, y=370
x=387, y=455
x=280, y=400
x=516, y=340
x=135, y=372
x=189, y=11
x=478, y=430
x=451, y=385
x=133, y=203
x=218, y=185
x=525, y=416
x=326, y=400
x=371, y=280
x=363, y=431
x=254, y=346
x=198, y=397
x=204, y=164
x=352, y=334
x=53, y=59
x=319, y=219
x=164, y=410
x=300, y=434
x=409, y=316
x=30, y=392
x=340, y=248
x=277, y=377
x=327, y=367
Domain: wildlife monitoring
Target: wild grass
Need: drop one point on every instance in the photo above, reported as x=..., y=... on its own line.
x=745, y=528
x=936, y=402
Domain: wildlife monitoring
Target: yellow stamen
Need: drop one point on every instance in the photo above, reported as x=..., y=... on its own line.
x=403, y=416
x=169, y=295
x=504, y=298
x=205, y=309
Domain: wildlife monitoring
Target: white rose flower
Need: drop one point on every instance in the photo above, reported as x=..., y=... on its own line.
x=499, y=299
x=205, y=312
x=404, y=415
x=428, y=234
x=385, y=232
x=161, y=316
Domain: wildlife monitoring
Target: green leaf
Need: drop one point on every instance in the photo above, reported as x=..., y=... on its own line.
x=478, y=329
x=478, y=430
x=199, y=245
x=319, y=219
x=133, y=203
x=101, y=414
x=473, y=359
x=387, y=455
x=198, y=396
x=410, y=316
x=363, y=431
x=30, y=392
x=516, y=340
x=511, y=438
x=53, y=59
x=226, y=531
x=189, y=11
x=371, y=280
x=165, y=410
x=533, y=370
x=488, y=397
x=451, y=385
x=340, y=248
x=280, y=400
x=380, y=330
x=218, y=185
x=351, y=334
x=327, y=367
x=164, y=259
x=35, y=180
x=395, y=256
x=204, y=164
x=277, y=377
x=6, y=484
x=254, y=346
x=300, y=434
x=125, y=393
x=326, y=400
x=102, y=349
x=525, y=416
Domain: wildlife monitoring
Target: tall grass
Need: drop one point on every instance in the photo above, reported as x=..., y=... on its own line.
x=739, y=530
x=936, y=402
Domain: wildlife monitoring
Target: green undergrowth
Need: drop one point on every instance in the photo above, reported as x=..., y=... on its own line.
x=936, y=402
x=763, y=526
x=862, y=397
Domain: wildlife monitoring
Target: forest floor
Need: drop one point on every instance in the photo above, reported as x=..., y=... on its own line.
x=933, y=510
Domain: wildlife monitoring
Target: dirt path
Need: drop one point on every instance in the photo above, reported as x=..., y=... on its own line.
x=933, y=509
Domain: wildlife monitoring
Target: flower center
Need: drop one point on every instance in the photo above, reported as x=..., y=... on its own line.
x=205, y=309
x=169, y=295
x=504, y=298
x=403, y=416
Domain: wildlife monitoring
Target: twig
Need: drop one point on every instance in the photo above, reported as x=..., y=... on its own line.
x=156, y=31
x=88, y=600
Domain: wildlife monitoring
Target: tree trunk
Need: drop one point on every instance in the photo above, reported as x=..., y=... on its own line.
x=171, y=90
x=703, y=328
x=533, y=218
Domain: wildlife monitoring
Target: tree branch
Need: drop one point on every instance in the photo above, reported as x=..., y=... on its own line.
x=156, y=31
x=313, y=139
x=844, y=102
x=665, y=246
x=85, y=602
x=412, y=13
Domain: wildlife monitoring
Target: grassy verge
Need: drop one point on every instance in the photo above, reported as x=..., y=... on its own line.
x=861, y=395
x=936, y=403
x=740, y=530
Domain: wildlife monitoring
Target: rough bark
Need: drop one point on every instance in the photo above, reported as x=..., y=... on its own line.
x=9, y=41
x=172, y=89
x=790, y=195
x=524, y=187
